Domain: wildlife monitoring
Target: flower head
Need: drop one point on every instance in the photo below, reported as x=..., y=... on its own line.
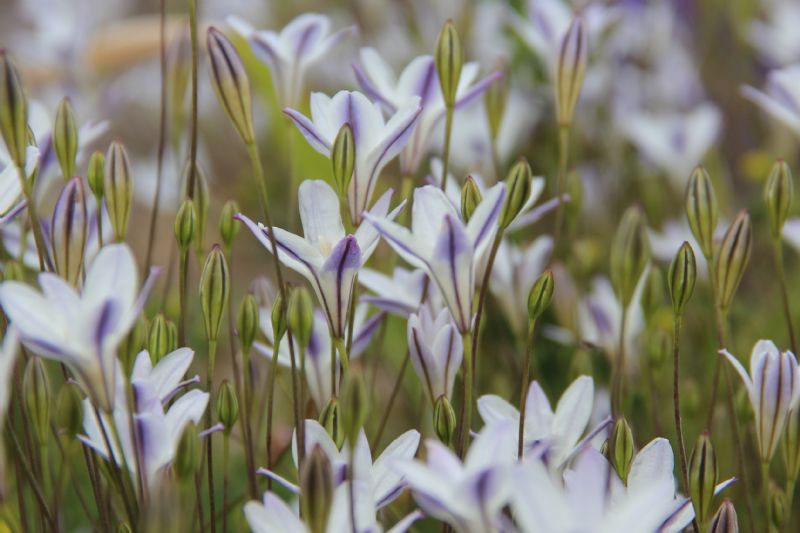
x=436, y=350
x=781, y=97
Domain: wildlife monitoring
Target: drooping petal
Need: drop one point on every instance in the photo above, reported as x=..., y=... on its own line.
x=402, y=241
x=451, y=268
x=293, y=251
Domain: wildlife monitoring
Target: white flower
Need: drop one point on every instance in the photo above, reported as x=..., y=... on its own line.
x=781, y=97
x=8, y=355
x=400, y=294
x=777, y=38
x=436, y=351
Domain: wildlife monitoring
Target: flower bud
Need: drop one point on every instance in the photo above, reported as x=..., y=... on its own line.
x=620, y=448
x=124, y=528
x=68, y=229
x=13, y=110
x=179, y=69
x=682, y=275
x=540, y=295
x=630, y=253
x=65, y=138
x=317, y=488
x=69, y=411
x=201, y=198
x=185, y=224
x=518, y=191
x=653, y=292
x=158, y=340
x=36, y=391
x=701, y=210
x=732, y=258
x=95, y=175
x=278, y=317
x=187, y=454
x=778, y=507
x=330, y=418
x=301, y=315
x=494, y=101
x=214, y=287
x=229, y=78
x=449, y=60
x=247, y=322
x=227, y=406
x=172, y=336
x=725, y=521
x=791, y=444
x=228, y=226
x=702, y=477
x=778, y=194
x=13, y=271
x=471, y=197
x=133, y=343
x=343, y=159
x=571, y=69
x=444, y=419
x=118, y=186
x=355, y=404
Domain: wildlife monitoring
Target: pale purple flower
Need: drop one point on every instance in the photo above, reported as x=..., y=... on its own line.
x=419, y=81
x=327, y=257
x=791, y=233
x=10, y=186
x=781, y=96
x=773, y=386
x=8, y=355
x=440, y=243
x=436, y=350
x=400, y=294
x=776, y=38
x=376, y=141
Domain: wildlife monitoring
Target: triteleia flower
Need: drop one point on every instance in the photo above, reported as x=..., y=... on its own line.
x=444, y=246
x=376, y=142
x=8, y=355
x=400, y=294
x=781, y=96
x=436, y=351
x=773, y=386
x=776, y=38
x=326, y=256
x=292, y=51
x=418, y=80
x=81, y=330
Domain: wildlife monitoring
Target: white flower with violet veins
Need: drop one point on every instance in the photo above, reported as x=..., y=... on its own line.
x=781, y=96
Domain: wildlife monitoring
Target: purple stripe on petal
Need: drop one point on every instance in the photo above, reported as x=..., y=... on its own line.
x=309, y=131
x=13, y=212
x=472, y=94
x=370, y=89
x=344, y=256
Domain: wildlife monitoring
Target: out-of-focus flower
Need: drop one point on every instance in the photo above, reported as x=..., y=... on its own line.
x=400, y=294
x=8, y=355
x=10, y=186
x=776, y=38
x=444, y=246
x=673, y=233
x=376, y=142
x=326, y=256
x=773, y=386
x=791, y=233
x=81, y=330
x=557, y=430
x=418, y=80
x=780, y=97
x=436, y=351
x=291, y=52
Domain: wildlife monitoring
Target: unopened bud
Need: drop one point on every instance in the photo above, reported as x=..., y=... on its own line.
x=36, y=390
x=69, y=410
x=124, y=528
x=540, y=295
x=494, y=101
x=201, y=198
x=701, y=210
x=355, y=404
x=65, y=138
x=652, y=292
x=725, y=521
x=330, y=418
x=68, y=229
x=732, y=258
x=247, y=322
x=95, y=175
x=779, y=506
x=13, y=110
x=317, y=488
x=702, y=477
x=133, y=344
x=229, y=78
x=118, y=188
x=444, y=419
x=172, y=336
x=630, y=253
x=301, y=315
x=778, y=195
x=791, y=444
x=682, y=275
x=228, y=226
x=185, y=224
x=620, y=448
x=343, y=159
x=278, y=317
x=227, y=406
x=179, y=69
x=449, y=61
x=518, y=191
x=158, y=344
x=471, y=197
x=571, y=67
x=214, y=287
x=187, y=454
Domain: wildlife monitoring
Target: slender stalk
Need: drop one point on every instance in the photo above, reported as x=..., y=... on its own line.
x=190, y=186
x=618, y=376
x=448, y=132
x=303, y=382
x=777, y=246
x=351, y=491
x=765, y=489
x=212, y=354
x=183, y=279
x=26, y=468
x=563, y=159
x=351, y=307
x=99, y=200
x=225, y=467
x=790, y=486
x=676, y=403
x=389, y=406
x=115, y=469
x=466, y=418
x=38, y=237
x=273, y=372
x=498, y=238
x=198, y=498
x=523, y=389
x=298, y=420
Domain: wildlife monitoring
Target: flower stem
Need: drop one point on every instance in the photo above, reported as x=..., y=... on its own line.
x=190, y=186
x=777, y=246
x=389, y=406
x=676, y=403
x=563, y=159
x=618, y=377
x=487, y=276
x=466, y=411
x=183, y=278
x=766, y=492
x=38, y=237
x=26, y=468
x=225, y=468
x=212, y=355
x=523, y=389
x=273, y=371
x=448, y=131
x=298, y=418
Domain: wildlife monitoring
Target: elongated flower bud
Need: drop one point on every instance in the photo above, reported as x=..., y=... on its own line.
x=343, y=159
x=187, y=455
x=571, y=69
x=682, y=275
x=36, y=390
x=317, y=488
x=13, y=110
x=172, y=336
x=449, y=61
x=68, y=229
x=179, y=68
x=133, y=344
x=201, y=198
x=652, y=292
x=355, y=405
x=791, y=444
x=330, y=418
x=494, y=100
x=185, y=224
x=778, y=506
x=732, y=258
x=247, y=322
x=630, y=253
x=470, y=198
x=540, y=295
x=227, y=406
x=278, y=317
x=620, y=448
x=301, y=315
x=118, y=185
x=444, y=419
x=95, y=175
x=518, y=191
x=702, y=477
x=65, y=138
x=69, y=410
x=725, y=520
x=228, y=226
x=778, y=194
x=701, y=210
x=158, y=344
x=214, y=287
x=229, y=78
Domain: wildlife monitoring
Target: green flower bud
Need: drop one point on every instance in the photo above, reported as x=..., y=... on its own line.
x=214, y=287
x=630, y=253
x=179, y=69
x=790, y=445
x=702, y=477
x=444, y=419
x=355, y=405
x=229, y=78
x=682, y=275
x=779, y=506
x=317, y=488
x=471, y=197
x=343, y=159
x=124, y=528
x=68, y=229
x=301, y=315
x=518, y=191
x=133, y=344
x=158, y=341
x=95, y=174
x=494, y=101
x=540, y=295
x=620, y=448
x=778, y=194
x=36, y=391
x=247, y=322
x=65, y=138
x=449, y=61
x=701, y=210
x=278, y=317
x=187, y=455
x=732, y=258
x=570, y=72
x=172, y=336
x=228, y=226
x=13, y=271
x=330, y=418
x=69, y=410
x=118, y=186
x=201, y=200
x=185, y=224
x=13, y=110
x=725, y=521
x=227, y=406
x=653, y=292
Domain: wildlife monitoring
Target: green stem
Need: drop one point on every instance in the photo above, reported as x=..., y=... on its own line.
x=484, y=289
x=183, y=278
x=99, y=200
x=38, y=237
x=298, y=419
x=676, y=403
x=26, y=468
x=448, y=131
x=463, y=442
x=273, y=372
x=389, y=406
x=190, y=186
x=563, y=159
x=523, y=389
x=777, y=247
x=790, y=486
x=212, y=355
x=619, y=368
x=765, y=489
x=225, y=460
